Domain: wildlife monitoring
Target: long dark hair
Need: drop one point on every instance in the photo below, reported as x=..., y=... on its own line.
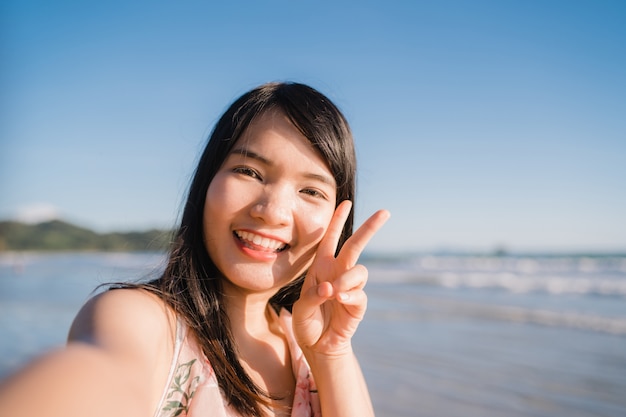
x=191, y=283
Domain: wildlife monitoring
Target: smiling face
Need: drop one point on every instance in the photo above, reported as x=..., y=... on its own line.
x=268, y=206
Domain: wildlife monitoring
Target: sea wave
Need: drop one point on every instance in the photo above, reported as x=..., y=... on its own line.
x=20, y=261
x=538, y=283
x=605, y=276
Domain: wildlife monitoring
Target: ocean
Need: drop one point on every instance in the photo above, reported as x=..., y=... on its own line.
x=444, y=335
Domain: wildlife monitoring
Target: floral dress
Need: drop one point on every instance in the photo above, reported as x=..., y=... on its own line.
x=192, y=388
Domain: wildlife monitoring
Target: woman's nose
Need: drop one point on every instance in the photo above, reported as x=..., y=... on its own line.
x=274, y=206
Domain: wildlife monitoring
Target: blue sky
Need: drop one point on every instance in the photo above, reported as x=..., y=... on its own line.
x=478, y=123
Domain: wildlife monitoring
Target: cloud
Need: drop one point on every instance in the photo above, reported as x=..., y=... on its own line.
x=37, y=213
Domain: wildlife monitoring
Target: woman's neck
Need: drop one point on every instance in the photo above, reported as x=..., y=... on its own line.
x=249, y=315
x=261, y=343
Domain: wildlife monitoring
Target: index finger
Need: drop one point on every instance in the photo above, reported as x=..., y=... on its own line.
x=328, y=244
x=354, y=246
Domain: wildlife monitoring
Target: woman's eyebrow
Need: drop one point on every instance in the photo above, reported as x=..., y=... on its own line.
x=322, y=178
x=251, y=154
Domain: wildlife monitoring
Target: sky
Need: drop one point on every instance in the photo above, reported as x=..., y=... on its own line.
x=478, y=124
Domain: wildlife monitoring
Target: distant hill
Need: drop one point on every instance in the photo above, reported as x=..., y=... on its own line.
x=57, y=235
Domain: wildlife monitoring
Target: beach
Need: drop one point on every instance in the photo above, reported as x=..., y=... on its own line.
x=444, y=335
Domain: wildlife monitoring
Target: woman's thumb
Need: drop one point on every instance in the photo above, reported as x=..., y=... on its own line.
x=311, y=299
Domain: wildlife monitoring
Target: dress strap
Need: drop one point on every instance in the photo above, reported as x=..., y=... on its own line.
x=181, y=333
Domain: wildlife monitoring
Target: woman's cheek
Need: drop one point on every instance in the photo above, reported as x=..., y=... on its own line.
x=319, y=220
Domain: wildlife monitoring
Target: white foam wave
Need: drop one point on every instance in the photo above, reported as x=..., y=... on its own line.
x=523, y=283
x=554, y=275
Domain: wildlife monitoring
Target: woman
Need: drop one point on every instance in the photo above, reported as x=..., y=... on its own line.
x=256, y=308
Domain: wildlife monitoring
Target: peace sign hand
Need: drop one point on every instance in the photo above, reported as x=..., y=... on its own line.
x=332, y=302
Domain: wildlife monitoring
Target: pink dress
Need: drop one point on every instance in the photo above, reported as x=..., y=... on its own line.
x=192, y=388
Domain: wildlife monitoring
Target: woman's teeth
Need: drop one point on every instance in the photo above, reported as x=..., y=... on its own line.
x=261, y=241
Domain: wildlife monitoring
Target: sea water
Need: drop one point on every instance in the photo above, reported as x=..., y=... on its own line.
x=444, y=335
x=477, y=336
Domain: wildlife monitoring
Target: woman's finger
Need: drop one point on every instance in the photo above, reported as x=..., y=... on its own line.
x=328, y=244
x=354, y=278
x=356, y=298
x=354, y=246
x=312, y=298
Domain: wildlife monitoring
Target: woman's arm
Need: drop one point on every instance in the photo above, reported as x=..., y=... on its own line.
x=115, y=363
x=341, y=386
x=331, y=306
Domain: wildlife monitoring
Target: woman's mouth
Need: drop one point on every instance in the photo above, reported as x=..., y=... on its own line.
x=258, y=242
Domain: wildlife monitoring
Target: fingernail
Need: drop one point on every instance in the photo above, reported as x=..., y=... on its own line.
x=343, y=296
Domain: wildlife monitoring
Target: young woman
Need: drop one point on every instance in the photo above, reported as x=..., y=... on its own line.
x=256, y=308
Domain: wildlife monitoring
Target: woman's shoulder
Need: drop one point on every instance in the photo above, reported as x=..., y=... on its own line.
x=125, y=310
x=133, y=325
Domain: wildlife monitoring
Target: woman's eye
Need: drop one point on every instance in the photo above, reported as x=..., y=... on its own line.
x=247, y=171
x=313, y=193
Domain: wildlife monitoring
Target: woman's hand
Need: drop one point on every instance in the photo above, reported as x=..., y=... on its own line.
x=332, y=301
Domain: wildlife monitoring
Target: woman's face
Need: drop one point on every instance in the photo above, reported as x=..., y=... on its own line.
x=268, y=206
